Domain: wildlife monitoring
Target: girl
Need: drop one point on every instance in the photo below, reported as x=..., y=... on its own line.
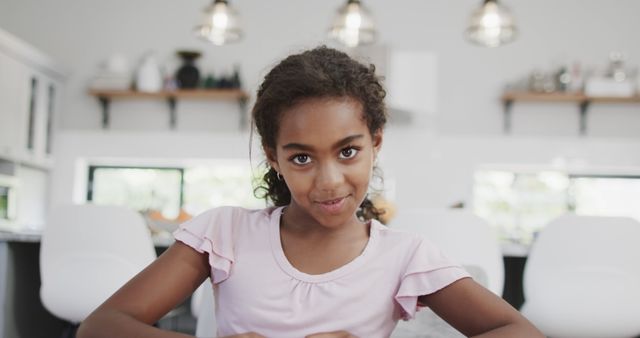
x=318, y=263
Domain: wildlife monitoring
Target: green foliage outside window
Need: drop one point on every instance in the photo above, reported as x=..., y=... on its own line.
x=520, y=204
x=192, y=189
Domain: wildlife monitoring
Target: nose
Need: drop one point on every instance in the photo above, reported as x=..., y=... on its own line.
x=329, y=177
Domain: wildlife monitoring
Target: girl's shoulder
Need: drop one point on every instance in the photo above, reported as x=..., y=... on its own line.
x=227, y=222
x=394, y=236
x=232, y=215
x=220, y=232
x=407, y=245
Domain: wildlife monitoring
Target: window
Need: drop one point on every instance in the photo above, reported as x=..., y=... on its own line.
x=519, y=203
x=606, y=195
x=4, y=202
x=222, y=184
x=192, y=189
x=138, y=188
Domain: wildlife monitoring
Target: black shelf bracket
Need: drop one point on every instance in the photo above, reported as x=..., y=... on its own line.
x=584, y=107
x=105, y=103
x=508, y=104
x=171, y=100
x=242, y=104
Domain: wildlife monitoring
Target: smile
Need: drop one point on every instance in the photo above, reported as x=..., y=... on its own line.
x=332, y=206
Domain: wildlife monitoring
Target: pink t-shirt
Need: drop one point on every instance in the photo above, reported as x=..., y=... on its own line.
x=257, y=290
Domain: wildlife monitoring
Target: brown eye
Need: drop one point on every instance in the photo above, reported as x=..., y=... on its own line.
x=301, y=159
x=347, y=153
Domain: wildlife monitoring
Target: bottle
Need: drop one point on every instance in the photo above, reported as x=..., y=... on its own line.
x=235, y=78
x=563, y=79
x=210, y=81
x=577, y=79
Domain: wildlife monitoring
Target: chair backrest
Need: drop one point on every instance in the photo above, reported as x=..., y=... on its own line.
x=582, y=278
x=203, y=308
x=87, y=253
x=461, y=235
x=574, y=248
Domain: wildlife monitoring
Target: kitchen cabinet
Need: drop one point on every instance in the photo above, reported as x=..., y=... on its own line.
x=31, y=86
x=30, y=91
x=13, y=107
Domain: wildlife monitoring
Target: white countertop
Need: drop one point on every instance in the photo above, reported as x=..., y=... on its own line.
x=159, y=240
x=514, y=249
x=24, y=236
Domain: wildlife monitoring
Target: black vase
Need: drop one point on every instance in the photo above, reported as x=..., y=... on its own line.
x=188, y=75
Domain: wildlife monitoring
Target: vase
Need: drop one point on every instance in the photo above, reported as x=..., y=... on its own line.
x=149, y=75
x=188, y=75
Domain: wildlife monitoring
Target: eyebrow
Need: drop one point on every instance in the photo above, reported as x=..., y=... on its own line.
x=304, y=147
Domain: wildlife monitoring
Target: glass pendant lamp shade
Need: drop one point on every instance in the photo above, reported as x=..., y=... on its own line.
x=491, y=25
x=221, y=24
x=353, y=25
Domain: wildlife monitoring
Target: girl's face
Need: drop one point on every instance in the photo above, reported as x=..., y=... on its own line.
x=325, y=154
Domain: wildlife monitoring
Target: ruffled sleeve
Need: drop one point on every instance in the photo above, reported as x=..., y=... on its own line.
x=211, y=232
x=427, y=271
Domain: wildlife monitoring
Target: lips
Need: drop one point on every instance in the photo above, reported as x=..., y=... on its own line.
x=331, y=201
x=332, y=206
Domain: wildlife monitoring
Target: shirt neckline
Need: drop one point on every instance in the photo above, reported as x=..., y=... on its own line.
x=288, y=268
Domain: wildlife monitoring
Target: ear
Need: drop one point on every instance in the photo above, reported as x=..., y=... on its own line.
x=377, y=142
x=272, y=158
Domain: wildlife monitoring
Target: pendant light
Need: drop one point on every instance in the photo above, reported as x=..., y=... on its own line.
x=221, y=24
x=353, y=25
x=491, y=25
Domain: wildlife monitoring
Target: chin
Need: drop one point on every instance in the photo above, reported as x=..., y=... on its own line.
x=334, y=219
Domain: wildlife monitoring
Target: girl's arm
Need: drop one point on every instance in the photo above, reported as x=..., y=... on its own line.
x=135, y=307
x=477, y=312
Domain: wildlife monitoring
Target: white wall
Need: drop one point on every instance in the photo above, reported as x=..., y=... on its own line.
x=82, y=33
x=420, y=170
x=431, y=166
x=76, y=150
x=438, y=171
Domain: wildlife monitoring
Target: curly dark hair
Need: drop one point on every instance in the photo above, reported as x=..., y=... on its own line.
x=316, y=73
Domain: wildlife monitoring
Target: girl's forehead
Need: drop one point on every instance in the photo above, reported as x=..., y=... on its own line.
x=321, y=120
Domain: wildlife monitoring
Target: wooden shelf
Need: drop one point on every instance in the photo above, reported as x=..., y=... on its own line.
x=583, y=101
x=105, y=97
x=607, y=99
x=543, y=97
x=219, y=94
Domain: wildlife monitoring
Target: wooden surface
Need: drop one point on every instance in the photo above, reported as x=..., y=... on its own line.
x=605, y=99
x=218, y=94
x=565, y=97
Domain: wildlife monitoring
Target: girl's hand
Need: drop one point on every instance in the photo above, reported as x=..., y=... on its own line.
x=336, y=334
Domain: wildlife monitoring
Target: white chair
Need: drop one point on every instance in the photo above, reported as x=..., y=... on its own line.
x=87, y=253
x=461, y=235
x=582, y=278
x=203, y=308
x=465, y=238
